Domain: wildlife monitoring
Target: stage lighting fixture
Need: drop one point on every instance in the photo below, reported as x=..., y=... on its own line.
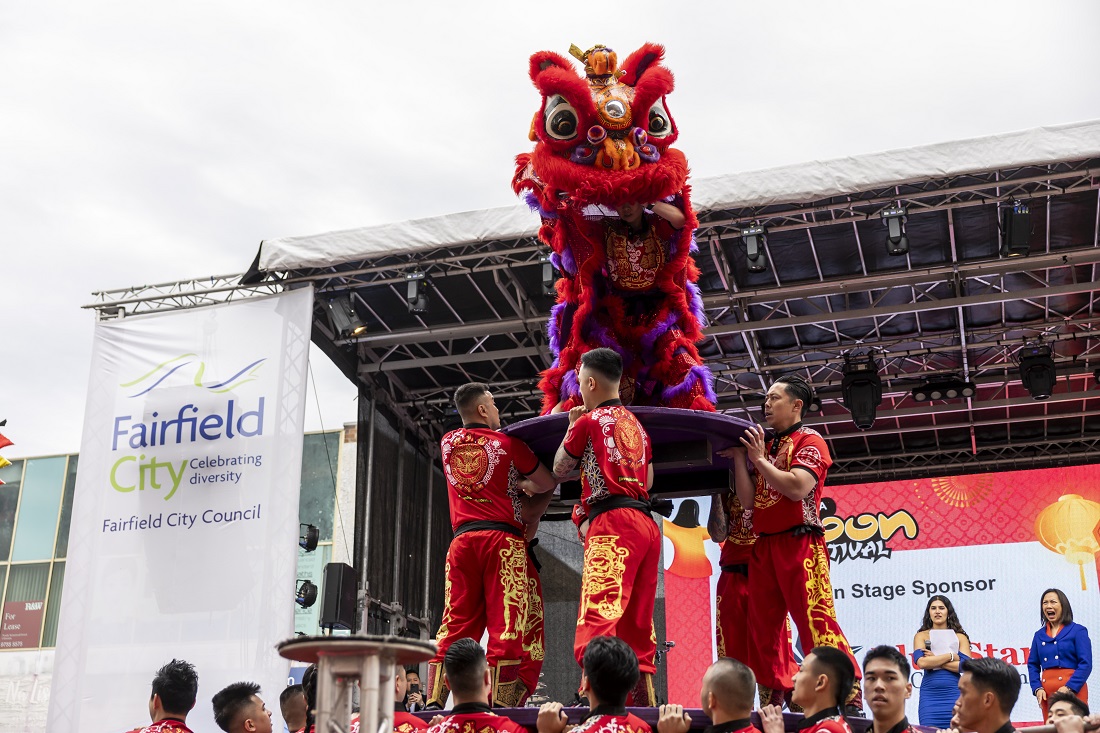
x=947, y=389
x=345, y=320
x=815, y=404
x=755, y=238
x=306, y=594
x=416, y=293
x=1095, y=375
x=1037, y=370
x=549, y=275
x=308, y=537
x=1016, y=230
x=897, y=243
x=862, y=389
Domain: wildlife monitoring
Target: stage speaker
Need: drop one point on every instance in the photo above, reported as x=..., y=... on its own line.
x=338, y=595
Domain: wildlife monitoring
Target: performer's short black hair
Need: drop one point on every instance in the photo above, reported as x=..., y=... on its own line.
x=231, y=702
x=1080, y=707
x=465, y=666
x=835, y=665
x=890, y=653
x=177, y=684
x=467, y=396
x=611, y=667
x=996, y=676
x=309, y=689
x=287, y=695
x=797, y=388
x=606, y=362
x=1067, y=610
x=732, y=682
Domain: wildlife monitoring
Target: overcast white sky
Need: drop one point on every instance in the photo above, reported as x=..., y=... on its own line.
x=147, y=142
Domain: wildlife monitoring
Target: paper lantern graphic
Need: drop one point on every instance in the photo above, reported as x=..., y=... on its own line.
x=1068, y=527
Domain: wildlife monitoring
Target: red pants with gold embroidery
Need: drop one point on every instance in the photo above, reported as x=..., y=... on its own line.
x=790, y=574
x=486, y=589
x=622, y=551
x=531, y=664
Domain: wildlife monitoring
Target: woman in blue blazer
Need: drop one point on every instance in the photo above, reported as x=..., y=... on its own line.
x=1061, y=653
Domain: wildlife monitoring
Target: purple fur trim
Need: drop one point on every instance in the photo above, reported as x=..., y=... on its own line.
x=569, y=385
x=568, y=264
x=552, y=329
x=694, y=248
x=532, y=201
x=696, y=304
x=656, y=332
x=699, y=372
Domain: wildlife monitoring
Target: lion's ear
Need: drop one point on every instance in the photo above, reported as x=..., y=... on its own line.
x=544, y=60
x=637, y=63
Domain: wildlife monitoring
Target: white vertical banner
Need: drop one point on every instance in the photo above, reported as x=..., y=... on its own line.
x=185, y=517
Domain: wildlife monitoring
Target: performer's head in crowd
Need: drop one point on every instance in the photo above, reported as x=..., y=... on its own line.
x=239, y=709
x=823, y=681
x=886, y=686
x=175, y=689
x=475, y=405
x=292, y=705
x=1054, y=608
x=600, y=372
x=400, y=685
x=988, y=689
x=786, y=401
x=1063, y=704
x=610, y=670
x=467, y=672
x=939, y=613
x=728, y=691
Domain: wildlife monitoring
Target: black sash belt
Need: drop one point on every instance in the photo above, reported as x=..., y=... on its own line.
x=617, y=501
x=485, y=524
x=531, y=555
x=796, y=531
x=742, y=569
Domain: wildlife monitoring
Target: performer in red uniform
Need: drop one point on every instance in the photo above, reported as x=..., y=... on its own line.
x=887, y=687
x=403, y=721
x=610, y=674
x=238, y=708
x=789, y=567
x=175, y=688
x=622, y=545
x=486, y=570
x=471, y=680
x=726, y=697
x=821, y=687
x=731, y=627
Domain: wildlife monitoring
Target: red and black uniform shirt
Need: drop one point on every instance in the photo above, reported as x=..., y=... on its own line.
x=475, y=717
x=614, y=451
x=611, y=719
x=826, y=721
x=802, y=450
x=742, y=725
x=168, y=725
x=483, y=468
x=403, y=722
x=737, y=547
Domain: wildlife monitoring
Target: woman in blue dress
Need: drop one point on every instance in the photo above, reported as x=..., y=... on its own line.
x=939, y=688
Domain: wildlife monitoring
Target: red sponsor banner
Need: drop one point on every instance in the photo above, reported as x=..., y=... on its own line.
x=22, y=624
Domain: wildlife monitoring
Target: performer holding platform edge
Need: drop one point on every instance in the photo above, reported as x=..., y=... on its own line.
x=622, y=545
x=789, y=567
x=487, y=576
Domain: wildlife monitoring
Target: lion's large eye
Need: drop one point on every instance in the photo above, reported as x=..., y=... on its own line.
x=659, y=124
x=561, y=118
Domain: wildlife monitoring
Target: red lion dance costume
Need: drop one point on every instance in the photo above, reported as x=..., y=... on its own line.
x=602, y=141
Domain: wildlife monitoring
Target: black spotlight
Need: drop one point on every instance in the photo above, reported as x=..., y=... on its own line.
x=897, y=243
x=1095, y=375
x=306, y=595
x=862, y=389
x=416, y=292
x=308, y=537
x=947, y=389
x=345, y=319
x=1016, y=230
x=549, y=275
x=815, y=404
x=1037, y=370
x=755, y=238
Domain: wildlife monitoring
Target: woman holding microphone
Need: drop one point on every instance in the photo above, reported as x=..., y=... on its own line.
x=939, y=657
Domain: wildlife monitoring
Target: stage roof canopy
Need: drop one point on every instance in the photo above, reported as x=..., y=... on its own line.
x=953, y=307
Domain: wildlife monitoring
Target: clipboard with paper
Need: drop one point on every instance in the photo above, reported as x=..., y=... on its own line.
x=944, y=641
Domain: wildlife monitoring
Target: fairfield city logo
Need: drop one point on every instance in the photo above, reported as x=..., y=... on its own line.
x=184, y=423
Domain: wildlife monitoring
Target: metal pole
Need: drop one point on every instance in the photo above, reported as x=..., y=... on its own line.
x=426, y=612
x=363, y=504
x=401, y=497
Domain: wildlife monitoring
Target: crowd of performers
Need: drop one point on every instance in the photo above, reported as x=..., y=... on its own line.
x=774, y=558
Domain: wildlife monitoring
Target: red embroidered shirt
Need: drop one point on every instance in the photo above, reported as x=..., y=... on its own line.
x=614, y=451
x=737, y=547
x=403, y=722
x=483, y=468
x=830, y=722
x=168, y=725
x=802, y=450
x=476, y=723
x=627, y=723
